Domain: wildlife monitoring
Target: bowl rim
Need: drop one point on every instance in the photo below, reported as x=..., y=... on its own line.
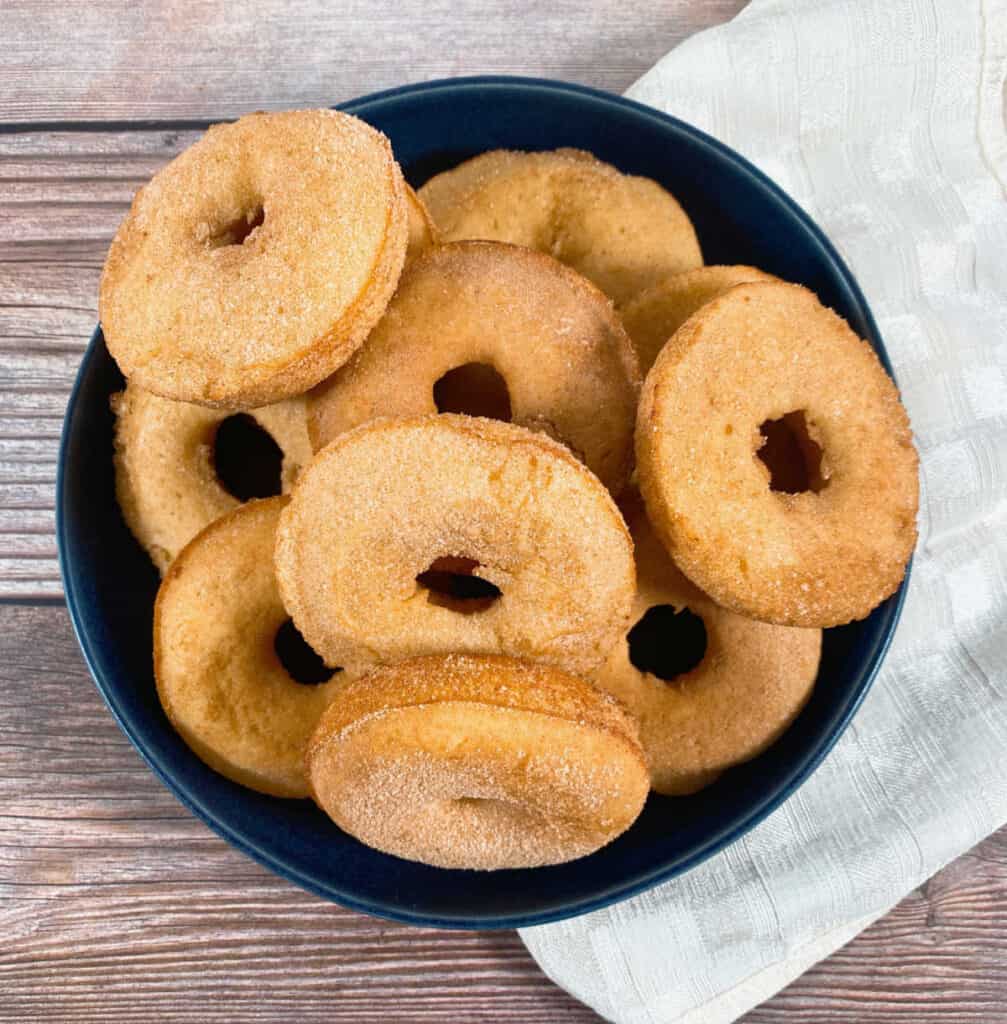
x=718, y=841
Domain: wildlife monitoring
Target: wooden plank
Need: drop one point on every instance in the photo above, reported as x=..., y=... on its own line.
x=115, y=903
x=113, y=59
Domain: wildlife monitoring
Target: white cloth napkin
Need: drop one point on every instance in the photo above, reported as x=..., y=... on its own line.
x=883, y=119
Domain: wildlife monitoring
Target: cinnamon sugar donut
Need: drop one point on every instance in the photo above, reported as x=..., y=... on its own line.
x=622, y=232
x=218, y=675
x=654, y=315
x=393, y=499
x=165, y=478
x=561, y=350
x=748, y=687
x=771, y=354
x=477, y=762
x=253, y=265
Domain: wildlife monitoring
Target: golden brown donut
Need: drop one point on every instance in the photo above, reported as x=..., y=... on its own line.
x=477, y=762
x=422, y=233
x=219, y=678
x=256, y=262
x=622, y=232
x=568, y=366
x=822, y=557
x=751, y=683
x=654, y=315
x=392, y=499
x=165, y=478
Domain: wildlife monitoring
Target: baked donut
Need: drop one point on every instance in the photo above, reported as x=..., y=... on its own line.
x=219, y=678
x=166, y=479
x=256, y=262
x=622, y=232
x=477, y=762
x=654, y=315
x=420, y=225
x=767, y=356
x=736, y=697
x=394, y=500
x=567, y=365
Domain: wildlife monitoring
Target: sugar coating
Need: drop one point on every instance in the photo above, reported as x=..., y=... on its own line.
x=568, y=364
x=653, y=316
x=164, y=474
x=218, y=675
x=750, y=686
x=622, y=232
x=253, y=323
x=821, y=559
x=477, y=762
x=382, y=502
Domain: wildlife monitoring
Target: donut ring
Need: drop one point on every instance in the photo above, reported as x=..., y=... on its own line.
x=554, y=338
x=421, y=232
x=257, y=261
x=392, y=499
x=751, y=684
x=219, y=679
x=479, y=763
x=622, y=232
x=654, y=315
x=758, y=353
x=165, y=478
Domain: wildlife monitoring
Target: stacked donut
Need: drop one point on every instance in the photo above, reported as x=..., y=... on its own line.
x=478, y=586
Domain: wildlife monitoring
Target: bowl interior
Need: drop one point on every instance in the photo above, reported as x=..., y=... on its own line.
x=110, y=584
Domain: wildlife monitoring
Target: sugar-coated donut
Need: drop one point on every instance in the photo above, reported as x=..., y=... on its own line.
x=772, y=352
x=560, y=348
x=477, y=762
x=422, y=233
x=165, y=478
x=256, y=262
x=620, y=231
x=218, y=675
x=654, y=315
x=751, y=683
x=393, y=499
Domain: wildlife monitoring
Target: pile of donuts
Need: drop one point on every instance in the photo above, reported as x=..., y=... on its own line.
x=558, y=513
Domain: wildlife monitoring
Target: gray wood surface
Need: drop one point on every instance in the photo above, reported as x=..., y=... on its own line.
x=115, y=904
x=114, y=60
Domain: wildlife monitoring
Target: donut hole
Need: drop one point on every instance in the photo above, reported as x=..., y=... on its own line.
x=299, y=659
x=474, y=389
x=482, y=803
x=237, y=231
x=792, y=456
x=246, y=459
x=451, y=583
x=667, y=643
x=494, y=812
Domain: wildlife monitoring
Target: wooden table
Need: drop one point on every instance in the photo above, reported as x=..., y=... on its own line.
x=116, y=903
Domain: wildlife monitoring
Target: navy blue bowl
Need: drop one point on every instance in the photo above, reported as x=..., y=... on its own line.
x=741, y=217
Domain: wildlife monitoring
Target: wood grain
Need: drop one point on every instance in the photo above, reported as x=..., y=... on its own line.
x=115, y=903
x=191, y=59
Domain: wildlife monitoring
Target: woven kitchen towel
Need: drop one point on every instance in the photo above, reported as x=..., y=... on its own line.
x=883, y=119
